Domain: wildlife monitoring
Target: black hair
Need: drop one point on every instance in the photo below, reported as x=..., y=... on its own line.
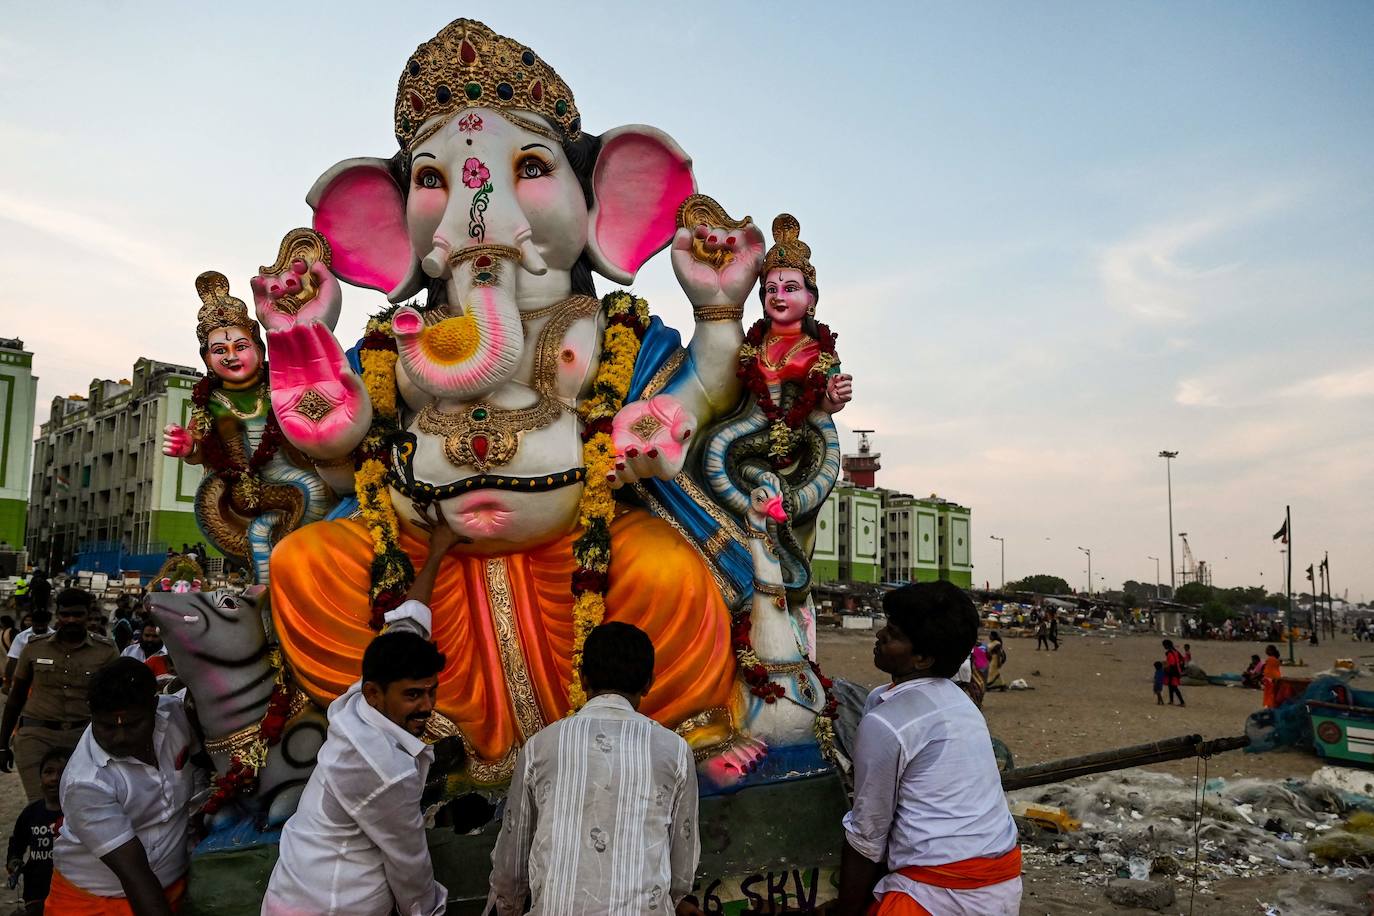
x=582, y=154
x=54, y=753
x=6, y=621
x=618, y=657
x=401, y=656
x=1272, y=648
x=40, y=615
x=1168, y=645
x=74, y=597
x=938, y=619
x=125, y=683
x=1158, y=665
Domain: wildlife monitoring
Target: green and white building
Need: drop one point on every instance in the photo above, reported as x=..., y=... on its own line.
x=100, y=480
x=18, y=397
x=868, y=534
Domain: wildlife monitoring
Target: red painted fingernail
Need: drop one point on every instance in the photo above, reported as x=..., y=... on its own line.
x=620, y=465
x=631, y=453
x=653, y=453
x=686, y=434
x=730, y=240
x=712, y=239
x=610, y=478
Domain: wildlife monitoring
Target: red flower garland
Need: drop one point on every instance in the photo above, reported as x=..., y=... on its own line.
x=812, y=391
x=756, y=675
x=242, y=776
x=212, y=450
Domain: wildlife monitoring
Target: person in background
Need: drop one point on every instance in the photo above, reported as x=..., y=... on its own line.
x=602, y=811
x=40, y=590
x=1054, y=629
x=7, y=633
x=47, y=700
x=30, y=849
x=127, y=798
x=148, y=646
x=1159, y=683
x=1187, y=655
x=38, y=626
x=1273, y=670
x=95, y=621
x=1042, y=633
x=1173, y=671
x=997, y=657
x=930, y=831
x=1253, y=676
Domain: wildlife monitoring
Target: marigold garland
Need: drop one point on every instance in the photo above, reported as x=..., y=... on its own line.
x=627, y=320
x=782, y=438
x=392, y=571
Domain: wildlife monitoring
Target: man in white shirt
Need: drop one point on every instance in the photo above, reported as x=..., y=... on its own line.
x=127, y=796
x=930, y=831
x=356, y=845
x=40, y=620
x=148, y=645
x=601, y=818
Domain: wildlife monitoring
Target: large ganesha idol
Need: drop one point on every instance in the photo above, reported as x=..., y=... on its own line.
x=593, y=467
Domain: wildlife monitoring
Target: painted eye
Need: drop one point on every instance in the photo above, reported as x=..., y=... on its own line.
x=532, y=167
x=429, y=178
x=228, y=604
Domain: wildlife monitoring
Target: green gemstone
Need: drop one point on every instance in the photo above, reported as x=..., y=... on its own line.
x=560, y=107
x=405, y=123
x=480, y=413
x=474, y=91
x=483, y=277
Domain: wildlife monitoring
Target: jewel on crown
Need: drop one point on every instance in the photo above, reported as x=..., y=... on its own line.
x=467, y=65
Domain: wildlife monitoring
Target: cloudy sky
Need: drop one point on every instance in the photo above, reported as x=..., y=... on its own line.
x=1054, y=238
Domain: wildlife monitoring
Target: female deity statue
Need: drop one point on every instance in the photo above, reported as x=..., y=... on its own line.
x=257, y=487
x=782, y=437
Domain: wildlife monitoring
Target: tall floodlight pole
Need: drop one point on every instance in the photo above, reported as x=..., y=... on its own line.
x=1169, y=479
x=1089, y=552
x=1156, y=559
x=1003, y=542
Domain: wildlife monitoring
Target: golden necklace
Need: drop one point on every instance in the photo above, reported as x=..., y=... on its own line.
x=482, y=435
x=770, y=364
x=223, y=400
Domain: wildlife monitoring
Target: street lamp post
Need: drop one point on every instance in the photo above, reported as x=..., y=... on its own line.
x=1089, y=552
x=1169, y=478
x=1156, y=559
x=1003, y=543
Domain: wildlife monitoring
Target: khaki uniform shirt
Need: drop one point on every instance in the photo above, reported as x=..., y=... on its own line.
x=60, y=675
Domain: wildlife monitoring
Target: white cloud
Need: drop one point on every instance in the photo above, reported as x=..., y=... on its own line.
x=1194, y=392
x=1357, y=382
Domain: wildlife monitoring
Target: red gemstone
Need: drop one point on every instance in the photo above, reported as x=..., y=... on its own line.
x=416, y=103
x=483, y=261
x=537, y=90
x=479, y=447
x=467, y=52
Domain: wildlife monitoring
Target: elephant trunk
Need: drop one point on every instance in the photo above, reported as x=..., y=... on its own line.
x=467, y=355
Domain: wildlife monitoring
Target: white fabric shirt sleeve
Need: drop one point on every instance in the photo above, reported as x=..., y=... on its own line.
x=877, y=758
x=510, y=878
x=93, y=815
x=685, y=852
x=402, y=843
x=410, y=615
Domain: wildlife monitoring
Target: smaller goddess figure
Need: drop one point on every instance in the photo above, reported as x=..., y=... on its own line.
x=257, y=488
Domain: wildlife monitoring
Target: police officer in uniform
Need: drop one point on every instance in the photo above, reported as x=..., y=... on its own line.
x=47, y=700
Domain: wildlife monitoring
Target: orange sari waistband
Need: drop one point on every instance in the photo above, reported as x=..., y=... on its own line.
x=67, y=899
x=968, y=874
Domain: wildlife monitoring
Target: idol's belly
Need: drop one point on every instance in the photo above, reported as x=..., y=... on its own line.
x=526, y=501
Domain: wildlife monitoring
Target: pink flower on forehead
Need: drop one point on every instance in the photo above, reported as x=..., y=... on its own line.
x=470, y=122
x=475, y=174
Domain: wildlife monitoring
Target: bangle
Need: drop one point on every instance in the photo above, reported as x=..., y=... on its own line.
x=718, y=313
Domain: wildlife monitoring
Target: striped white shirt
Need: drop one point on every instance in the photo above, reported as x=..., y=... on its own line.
x=601, y=819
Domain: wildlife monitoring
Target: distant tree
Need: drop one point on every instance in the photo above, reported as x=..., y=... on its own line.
x=1194, y=594
x=1040, y=583
x=1130, y=601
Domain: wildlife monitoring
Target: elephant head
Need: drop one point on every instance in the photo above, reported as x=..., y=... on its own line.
x=497, y=203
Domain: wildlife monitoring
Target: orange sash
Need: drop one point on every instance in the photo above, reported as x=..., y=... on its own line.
x=958, y=876
x=69, y=900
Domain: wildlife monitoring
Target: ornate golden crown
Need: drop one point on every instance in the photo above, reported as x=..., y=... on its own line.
x=788, y=249
x=467, y=65
x=219, y=309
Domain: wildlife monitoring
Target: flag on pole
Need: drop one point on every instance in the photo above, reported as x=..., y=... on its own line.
x=1310, y=576
x=1325, y=567
x=62, y=483
x=1282, y=533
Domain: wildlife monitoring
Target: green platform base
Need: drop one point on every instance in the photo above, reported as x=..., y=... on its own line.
x=766, y=842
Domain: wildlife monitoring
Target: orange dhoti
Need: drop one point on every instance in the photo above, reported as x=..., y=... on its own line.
x=505, y=624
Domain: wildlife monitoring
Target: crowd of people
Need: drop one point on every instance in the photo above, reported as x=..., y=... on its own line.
x=115, y=772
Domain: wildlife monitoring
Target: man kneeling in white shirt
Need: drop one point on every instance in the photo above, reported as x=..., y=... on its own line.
x=601, y=818
x=929, y=832
x=356, y=845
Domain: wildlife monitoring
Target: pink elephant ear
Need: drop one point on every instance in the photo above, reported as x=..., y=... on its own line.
x=642, y=176
x=359, y=209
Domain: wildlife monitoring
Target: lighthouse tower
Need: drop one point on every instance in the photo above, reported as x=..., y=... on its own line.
x=861, y=469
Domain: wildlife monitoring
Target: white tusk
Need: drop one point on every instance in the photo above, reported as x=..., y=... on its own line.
x=529, y=256
x=436, y=262
x=189, y=618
